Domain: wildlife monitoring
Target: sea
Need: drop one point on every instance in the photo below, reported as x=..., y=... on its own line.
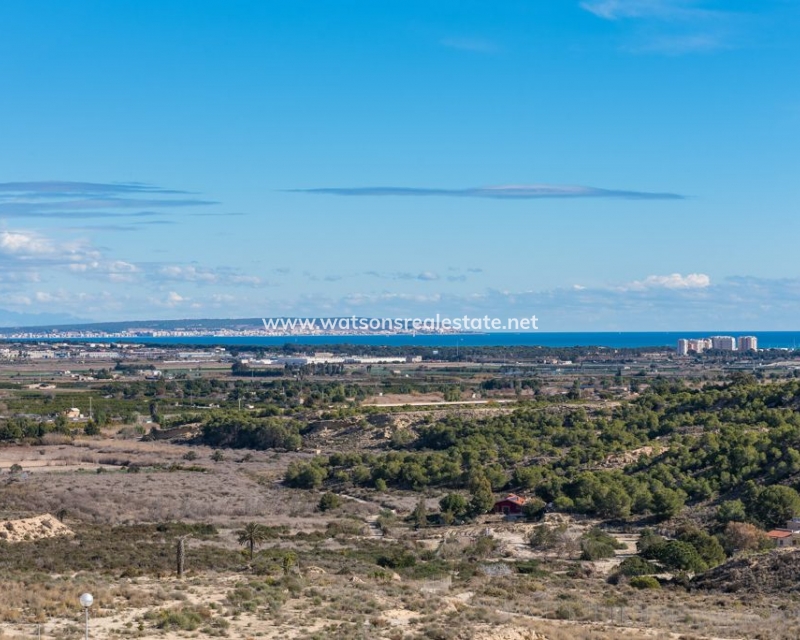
x=611, y=340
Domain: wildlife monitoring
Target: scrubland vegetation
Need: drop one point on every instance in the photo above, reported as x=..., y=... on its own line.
x=306, y=511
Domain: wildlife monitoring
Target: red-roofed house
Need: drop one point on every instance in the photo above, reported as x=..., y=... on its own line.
x=781, y=537
x=511, y=505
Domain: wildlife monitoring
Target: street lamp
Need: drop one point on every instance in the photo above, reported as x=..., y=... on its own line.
x=86, y=602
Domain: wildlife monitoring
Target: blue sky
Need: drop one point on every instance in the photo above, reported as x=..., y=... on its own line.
x=603, y=164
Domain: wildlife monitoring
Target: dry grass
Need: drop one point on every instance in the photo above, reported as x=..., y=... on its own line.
x=343, y=585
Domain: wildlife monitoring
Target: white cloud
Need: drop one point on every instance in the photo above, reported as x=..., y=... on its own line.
x=21, y=243
x=113, y=270
x=672, y=281
x=172, y=299
x=187, y=273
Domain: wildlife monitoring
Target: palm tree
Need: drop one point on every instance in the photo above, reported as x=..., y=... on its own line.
x=252, y=535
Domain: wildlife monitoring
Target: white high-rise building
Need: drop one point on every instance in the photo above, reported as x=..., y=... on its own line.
x=683, y=347
x=723, y=343
x=748, y=343
x=699, y=345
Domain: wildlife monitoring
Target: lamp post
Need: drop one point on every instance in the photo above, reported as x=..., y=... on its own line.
x=86, y=602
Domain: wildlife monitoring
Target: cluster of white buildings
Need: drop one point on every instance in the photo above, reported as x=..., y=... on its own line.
x=720, y=343
x=329, y=358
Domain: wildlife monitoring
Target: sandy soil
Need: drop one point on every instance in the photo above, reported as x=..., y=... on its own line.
x=25, y=529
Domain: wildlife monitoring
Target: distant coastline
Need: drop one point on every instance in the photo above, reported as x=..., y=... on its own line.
x=611, y=340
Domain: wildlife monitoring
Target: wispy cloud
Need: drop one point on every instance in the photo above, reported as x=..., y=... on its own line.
x=669, y=10
x=204, y=276
x=507, y=192
x=56, y=189
x=54, y=199
x=669, y=27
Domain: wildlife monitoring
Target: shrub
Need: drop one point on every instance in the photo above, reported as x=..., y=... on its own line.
x=91, y=428
x=397, y=559
x=596, y=544
x=742, y=536
x=329, y=501
x=530, y=567
x=636, y=566
x=650, y=544
x=645, y=582
x=547, y=537
x=186, y=618
x=482, y=547
x=595, y=550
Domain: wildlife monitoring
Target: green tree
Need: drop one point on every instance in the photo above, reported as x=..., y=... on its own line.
x=707, y=546
x=667, y=503
x=252, y=535
x=305, y=475
x=527, y=478
x=420, y=514
x=482, y=497
x=681, y=556
x=91, y=428
x=731, y=511
x=650, y=544
x=774, y=505
x=454, y=504
x=61, y=423
x=614, y=502
x=534, y=508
